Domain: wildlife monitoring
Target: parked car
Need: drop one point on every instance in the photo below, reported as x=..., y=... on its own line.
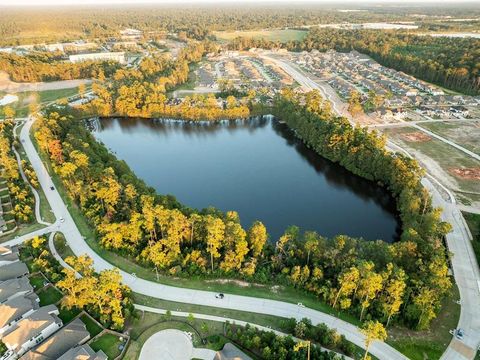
x=220, y=296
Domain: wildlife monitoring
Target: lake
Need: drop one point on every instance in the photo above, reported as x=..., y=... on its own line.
x=256, y=167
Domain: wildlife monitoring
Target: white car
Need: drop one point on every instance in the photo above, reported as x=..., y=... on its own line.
x=62, y=220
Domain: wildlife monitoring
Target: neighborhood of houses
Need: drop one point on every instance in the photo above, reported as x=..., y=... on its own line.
x=30, y=331
x=353, y=71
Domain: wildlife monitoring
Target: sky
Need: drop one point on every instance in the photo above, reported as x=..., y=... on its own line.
x=101, y=2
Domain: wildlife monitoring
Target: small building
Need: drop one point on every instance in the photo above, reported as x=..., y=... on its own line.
x=74, y=334
x=14, y=288
x=12, y=270
x=84, y=352
x=8, y=254
x=16, y=309
x=32, y=330
x=101, y=56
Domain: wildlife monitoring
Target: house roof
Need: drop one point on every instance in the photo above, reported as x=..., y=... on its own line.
x=59, y=343
x=84, y=352
x=8, y=253
x=12, y=287
x=31, y=326
x=16, y=307
x=13, y=270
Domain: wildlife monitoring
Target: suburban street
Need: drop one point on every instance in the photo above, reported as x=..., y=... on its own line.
x=257, y=305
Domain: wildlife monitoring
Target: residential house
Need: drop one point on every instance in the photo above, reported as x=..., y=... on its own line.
x=74, y=334
x=32, y=330
x=8, y=254
x=13, y=270
x=16, y=309
x=14, y=288
x=84, y=352
x=100, y=56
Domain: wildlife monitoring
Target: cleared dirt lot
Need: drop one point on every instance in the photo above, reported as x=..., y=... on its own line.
x=9, y=86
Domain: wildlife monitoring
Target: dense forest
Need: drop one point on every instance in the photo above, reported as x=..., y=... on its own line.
x=449, y=62
x=45, y=66
x=404, y=281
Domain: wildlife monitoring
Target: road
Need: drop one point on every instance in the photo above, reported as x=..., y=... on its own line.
x=464, y=263
x=199, y=297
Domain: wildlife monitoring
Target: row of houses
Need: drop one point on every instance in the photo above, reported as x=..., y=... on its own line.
x=34, y=332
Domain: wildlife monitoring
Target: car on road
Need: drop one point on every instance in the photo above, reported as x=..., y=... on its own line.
x=459, y=334
x=52, y=188
x=220, y=296
x=62, y=220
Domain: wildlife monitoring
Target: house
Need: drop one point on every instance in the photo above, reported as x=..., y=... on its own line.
x=131, y=34
x=13, y=270
x=14, y=288
x=101, y=56
x=16, y=309
x=8, y=254
x=84, y=352
x=32, y=330
x=74, y=334
x=411, y=92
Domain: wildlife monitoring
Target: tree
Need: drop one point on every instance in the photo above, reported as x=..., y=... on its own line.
x=355, y=103
x=191, y=319
x=257, y=237
x=9, y=112
x=215, y=229
x=348, y=283
x=373, y=330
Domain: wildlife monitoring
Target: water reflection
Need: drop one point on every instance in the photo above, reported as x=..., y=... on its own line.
x=257, y=167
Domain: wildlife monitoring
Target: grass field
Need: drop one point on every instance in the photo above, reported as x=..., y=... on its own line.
x=67, y=315
x=466, y=134
x=61, y=246
x=108, y=343
x=272, y=35
x=92, y=327
x=49, y=296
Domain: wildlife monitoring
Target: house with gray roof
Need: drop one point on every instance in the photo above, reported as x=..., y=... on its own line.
x=74, y=334
x=16, y=309
x=13, y=270
x=13, y=288
x=84, y=352
x=32, y=330
x=8, y=254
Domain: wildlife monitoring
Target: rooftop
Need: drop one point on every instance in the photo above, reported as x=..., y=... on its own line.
x=84, y=352
x=15, y=308
x=13, y=288
x=13, y=270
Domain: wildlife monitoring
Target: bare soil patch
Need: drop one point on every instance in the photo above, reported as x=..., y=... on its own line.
x=467, y=173
x=416, y=136
x=232, y=281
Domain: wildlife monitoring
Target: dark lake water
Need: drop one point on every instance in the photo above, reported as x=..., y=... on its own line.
x=256, y=167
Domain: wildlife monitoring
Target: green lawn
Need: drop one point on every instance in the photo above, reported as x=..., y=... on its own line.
x=272, y=35
x=93, y=328
x=68, y=315
x=37, y=281
x=473, y=221
x=49, y=296
x=108, y=343
x=22, y=230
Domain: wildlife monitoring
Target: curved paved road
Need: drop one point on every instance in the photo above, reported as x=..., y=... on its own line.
x=257, y=305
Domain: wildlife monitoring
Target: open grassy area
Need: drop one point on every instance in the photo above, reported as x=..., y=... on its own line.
x=109, y=344
x=473, y=221
x=464, y=133
x=438, y=157
x=37, y=281
x=22, y=230
x=92, y=327
x=49, y=296
x=272, y=35
x=429, y=344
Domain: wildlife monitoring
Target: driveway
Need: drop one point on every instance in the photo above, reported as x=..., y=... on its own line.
x=172, y=345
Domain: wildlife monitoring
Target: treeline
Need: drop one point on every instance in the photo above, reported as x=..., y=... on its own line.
x=23, y=202
x=269, y=346
x=409, y=277
x=405, y=281
x=142, y=92
x=37, y=67
x=101, y=294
